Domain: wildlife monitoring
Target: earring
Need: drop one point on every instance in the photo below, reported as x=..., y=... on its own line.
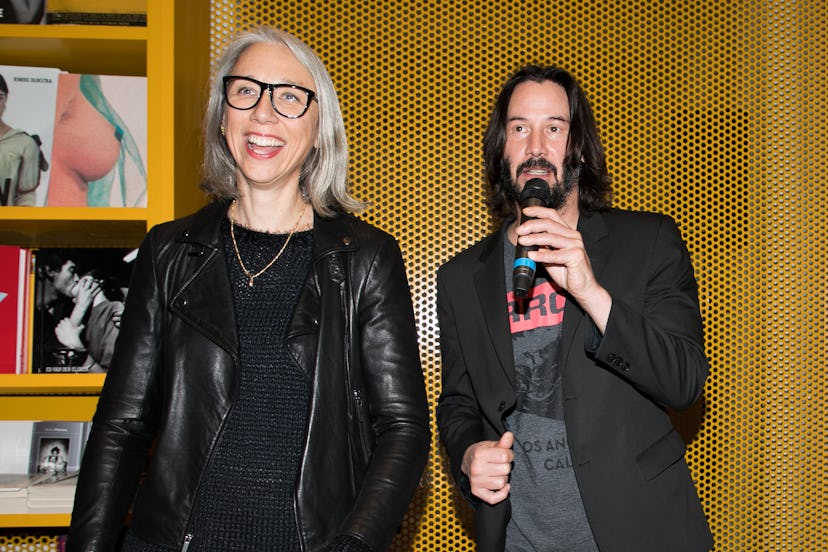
x=221, y=129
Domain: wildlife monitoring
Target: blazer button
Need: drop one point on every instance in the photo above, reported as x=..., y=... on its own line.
x=501, y=406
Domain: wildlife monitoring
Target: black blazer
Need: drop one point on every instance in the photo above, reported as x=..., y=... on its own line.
x=628, y=458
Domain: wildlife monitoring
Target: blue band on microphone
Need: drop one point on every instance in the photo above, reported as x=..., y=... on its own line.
x=523, y=261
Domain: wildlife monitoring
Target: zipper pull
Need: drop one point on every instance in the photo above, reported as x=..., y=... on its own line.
x=187, y=539
x=358, y=399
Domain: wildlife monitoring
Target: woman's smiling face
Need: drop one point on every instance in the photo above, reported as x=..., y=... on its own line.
x=269, y=149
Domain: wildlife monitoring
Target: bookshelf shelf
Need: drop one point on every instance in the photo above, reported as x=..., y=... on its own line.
x=72, y=213
x=84, y=32
x=50, y=384
x=173, y=53
x=32, y=518
x=76, y=48
x=70, y=397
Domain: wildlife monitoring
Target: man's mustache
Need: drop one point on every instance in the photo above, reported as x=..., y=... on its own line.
x=538, y=163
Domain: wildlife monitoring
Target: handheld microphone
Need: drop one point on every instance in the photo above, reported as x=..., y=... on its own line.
x=535, y=192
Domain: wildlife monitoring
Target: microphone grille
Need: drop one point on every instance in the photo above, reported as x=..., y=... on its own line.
x=536, y=188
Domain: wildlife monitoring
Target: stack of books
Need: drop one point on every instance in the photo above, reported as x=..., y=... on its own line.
x=54, y=462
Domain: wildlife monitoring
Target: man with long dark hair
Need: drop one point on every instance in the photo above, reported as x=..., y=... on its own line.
x=554, y=405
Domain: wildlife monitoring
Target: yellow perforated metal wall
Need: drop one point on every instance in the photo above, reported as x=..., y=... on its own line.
x=711, y=111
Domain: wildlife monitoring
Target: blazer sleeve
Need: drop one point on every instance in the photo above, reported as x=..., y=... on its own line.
x=654, y=336
x=458, y=415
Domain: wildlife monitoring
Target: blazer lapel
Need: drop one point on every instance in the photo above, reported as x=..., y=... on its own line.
x=593, y=231
x=491, y=292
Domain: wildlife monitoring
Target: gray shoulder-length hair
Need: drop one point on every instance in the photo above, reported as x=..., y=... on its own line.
x=324, y=174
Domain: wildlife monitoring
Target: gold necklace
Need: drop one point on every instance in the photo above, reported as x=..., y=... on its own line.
x=249, y=275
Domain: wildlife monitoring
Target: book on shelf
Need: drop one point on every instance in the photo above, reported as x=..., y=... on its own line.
x=15, y=268
x=14, y=492
x=78, y=300
x=30, y=12
x=45, y=477
x=26, y=149
x=57, y=448
x=100, y=142
x=16, y=485
x=52, y=492
x=97, y=12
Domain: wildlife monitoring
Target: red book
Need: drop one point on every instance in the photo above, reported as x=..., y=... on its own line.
x=14, y=280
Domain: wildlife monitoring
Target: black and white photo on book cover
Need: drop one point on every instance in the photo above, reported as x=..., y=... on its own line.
x=27, y=116
x=79, y=297
x=57, y=447
x=27, y=12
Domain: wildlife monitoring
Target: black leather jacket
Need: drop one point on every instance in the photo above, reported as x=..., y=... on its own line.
x=174, y=375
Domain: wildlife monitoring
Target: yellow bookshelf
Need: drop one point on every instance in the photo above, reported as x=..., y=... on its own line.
x=173, y=52
x=40, y=518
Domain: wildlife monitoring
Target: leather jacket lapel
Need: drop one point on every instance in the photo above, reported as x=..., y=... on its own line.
x=205, y=298
x=204, y=304
x=331, y=236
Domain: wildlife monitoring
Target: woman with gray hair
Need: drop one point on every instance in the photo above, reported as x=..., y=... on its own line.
x=267, y=363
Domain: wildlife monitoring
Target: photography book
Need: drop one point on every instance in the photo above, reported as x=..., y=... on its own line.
x=79, y=297
x=100, y=142
x=15, y=267
x=26, y=149
x=57, y=447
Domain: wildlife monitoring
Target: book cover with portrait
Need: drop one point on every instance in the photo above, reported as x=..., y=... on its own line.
x=57, y=448
x=28, y=97
x=79, y=297
x=100, y=150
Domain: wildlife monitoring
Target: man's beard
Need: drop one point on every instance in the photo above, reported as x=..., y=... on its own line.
x=559, y=190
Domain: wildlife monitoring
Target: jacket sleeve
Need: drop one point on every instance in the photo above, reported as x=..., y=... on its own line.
x=458, y=414
x=395, y=392
x=654, y=336
x=125, y=421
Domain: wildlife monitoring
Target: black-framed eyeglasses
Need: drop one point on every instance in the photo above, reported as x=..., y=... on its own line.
x=289, y=100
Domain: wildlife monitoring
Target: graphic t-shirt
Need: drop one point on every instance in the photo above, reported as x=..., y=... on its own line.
x=547, y=511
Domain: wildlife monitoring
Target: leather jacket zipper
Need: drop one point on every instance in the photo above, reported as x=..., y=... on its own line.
x=188, y=537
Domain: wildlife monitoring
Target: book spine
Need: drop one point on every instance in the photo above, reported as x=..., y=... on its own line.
x=22, y=303
x=96, y=18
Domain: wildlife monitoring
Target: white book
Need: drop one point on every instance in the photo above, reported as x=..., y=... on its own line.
x=30, y=111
